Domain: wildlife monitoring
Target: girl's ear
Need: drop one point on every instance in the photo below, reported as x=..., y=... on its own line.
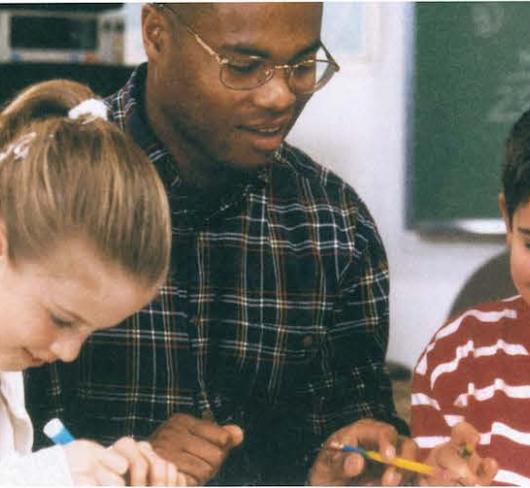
x=505, y=216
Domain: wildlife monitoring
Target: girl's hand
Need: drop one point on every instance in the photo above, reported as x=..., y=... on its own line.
x=146, y=468
x=126, y=462
x=92, y=464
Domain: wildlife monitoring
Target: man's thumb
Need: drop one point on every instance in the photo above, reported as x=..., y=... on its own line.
x=236, y=434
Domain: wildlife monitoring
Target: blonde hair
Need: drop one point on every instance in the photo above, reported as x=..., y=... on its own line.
x=79, y=178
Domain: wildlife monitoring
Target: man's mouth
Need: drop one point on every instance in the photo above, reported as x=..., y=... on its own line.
x=265, y=138
x=266, y=130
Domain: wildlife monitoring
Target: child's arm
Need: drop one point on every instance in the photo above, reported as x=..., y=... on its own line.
x=47, y=467
x=87, y=463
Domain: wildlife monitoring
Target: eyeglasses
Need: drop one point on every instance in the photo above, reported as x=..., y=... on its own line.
x=249, y=72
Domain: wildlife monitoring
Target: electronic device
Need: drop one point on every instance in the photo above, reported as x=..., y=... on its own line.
x=42, y=33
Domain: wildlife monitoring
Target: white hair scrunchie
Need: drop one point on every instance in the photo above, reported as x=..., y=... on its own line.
x=92, y=106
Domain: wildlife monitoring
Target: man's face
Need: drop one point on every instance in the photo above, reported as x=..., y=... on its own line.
x=209, y=120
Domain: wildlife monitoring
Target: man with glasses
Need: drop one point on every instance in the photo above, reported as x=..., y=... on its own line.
x=268, y=341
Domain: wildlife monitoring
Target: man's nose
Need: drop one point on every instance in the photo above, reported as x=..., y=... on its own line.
x=68, y=345
x=276, y=94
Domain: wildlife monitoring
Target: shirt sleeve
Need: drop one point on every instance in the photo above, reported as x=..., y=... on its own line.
x=46, y=397
x=431, y=415
x=349, y=380
x=47, y=467
x=355, y=349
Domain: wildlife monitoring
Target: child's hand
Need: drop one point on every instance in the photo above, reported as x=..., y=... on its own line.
x=146, y=468
x=126, y=462
x=458, y=463
x=92, y=464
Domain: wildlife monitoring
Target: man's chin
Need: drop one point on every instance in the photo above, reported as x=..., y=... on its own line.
x=252, y=161
x=243, y=169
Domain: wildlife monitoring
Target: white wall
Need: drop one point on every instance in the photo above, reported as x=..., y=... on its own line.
x=357, y=126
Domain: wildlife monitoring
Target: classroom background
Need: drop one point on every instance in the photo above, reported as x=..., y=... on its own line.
x=361, y=126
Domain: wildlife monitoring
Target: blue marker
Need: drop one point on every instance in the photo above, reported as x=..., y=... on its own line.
x=57, y=432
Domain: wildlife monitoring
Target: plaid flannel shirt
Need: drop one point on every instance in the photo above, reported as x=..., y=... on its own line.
x=275, y=316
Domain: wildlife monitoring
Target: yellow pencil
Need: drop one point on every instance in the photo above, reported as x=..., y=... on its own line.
x=396, y=461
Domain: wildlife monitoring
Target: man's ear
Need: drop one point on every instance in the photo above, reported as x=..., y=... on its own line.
x=154, y=28
x=505, y=216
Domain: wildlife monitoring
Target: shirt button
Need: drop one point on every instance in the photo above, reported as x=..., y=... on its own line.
x=307, y=341
x=207, y=415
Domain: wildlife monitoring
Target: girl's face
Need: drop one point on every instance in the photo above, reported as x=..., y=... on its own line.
x=49, y=308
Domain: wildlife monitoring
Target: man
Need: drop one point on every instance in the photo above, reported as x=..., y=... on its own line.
x=270, y=336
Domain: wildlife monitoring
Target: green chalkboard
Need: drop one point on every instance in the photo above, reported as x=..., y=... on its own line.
x=471, y=82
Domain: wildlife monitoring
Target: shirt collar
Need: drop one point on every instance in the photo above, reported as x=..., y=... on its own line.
x=135, y=123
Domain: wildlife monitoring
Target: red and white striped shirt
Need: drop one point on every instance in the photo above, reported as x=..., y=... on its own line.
x=477, y=369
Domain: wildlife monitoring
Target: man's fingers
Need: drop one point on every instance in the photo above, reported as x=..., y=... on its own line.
x=339, y=468
x=352, y=465
x=407, y=449
x=212, y=433
x=371, y=434
x=388, y=437
x=236, y=434
x=221, y=436
x=195, y=467
x=204, y=450
x=391, y=477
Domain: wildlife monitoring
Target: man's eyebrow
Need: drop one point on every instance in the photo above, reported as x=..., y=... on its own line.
x=251, y=50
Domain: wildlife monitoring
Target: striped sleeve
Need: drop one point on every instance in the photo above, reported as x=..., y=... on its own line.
x=453, y=362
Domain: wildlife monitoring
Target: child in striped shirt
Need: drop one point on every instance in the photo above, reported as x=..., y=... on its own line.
x=474, y=376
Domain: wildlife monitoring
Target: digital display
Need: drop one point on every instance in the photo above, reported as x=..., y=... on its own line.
x=62, y=33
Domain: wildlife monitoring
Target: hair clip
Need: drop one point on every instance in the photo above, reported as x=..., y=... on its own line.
x=20, y=147
x=92, y=106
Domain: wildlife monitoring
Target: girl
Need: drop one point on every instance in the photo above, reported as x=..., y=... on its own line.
x=85, y=240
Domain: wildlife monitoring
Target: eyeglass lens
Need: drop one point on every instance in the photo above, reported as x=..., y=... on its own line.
x=304, y=77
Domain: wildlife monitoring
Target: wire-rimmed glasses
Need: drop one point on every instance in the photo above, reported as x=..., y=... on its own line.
x=248, y=72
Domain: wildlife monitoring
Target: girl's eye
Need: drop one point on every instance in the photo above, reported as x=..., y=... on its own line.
x=61, y=323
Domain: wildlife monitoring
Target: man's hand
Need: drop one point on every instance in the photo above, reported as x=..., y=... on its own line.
x=334, y=467
x=197, y=447
x=457, y=462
